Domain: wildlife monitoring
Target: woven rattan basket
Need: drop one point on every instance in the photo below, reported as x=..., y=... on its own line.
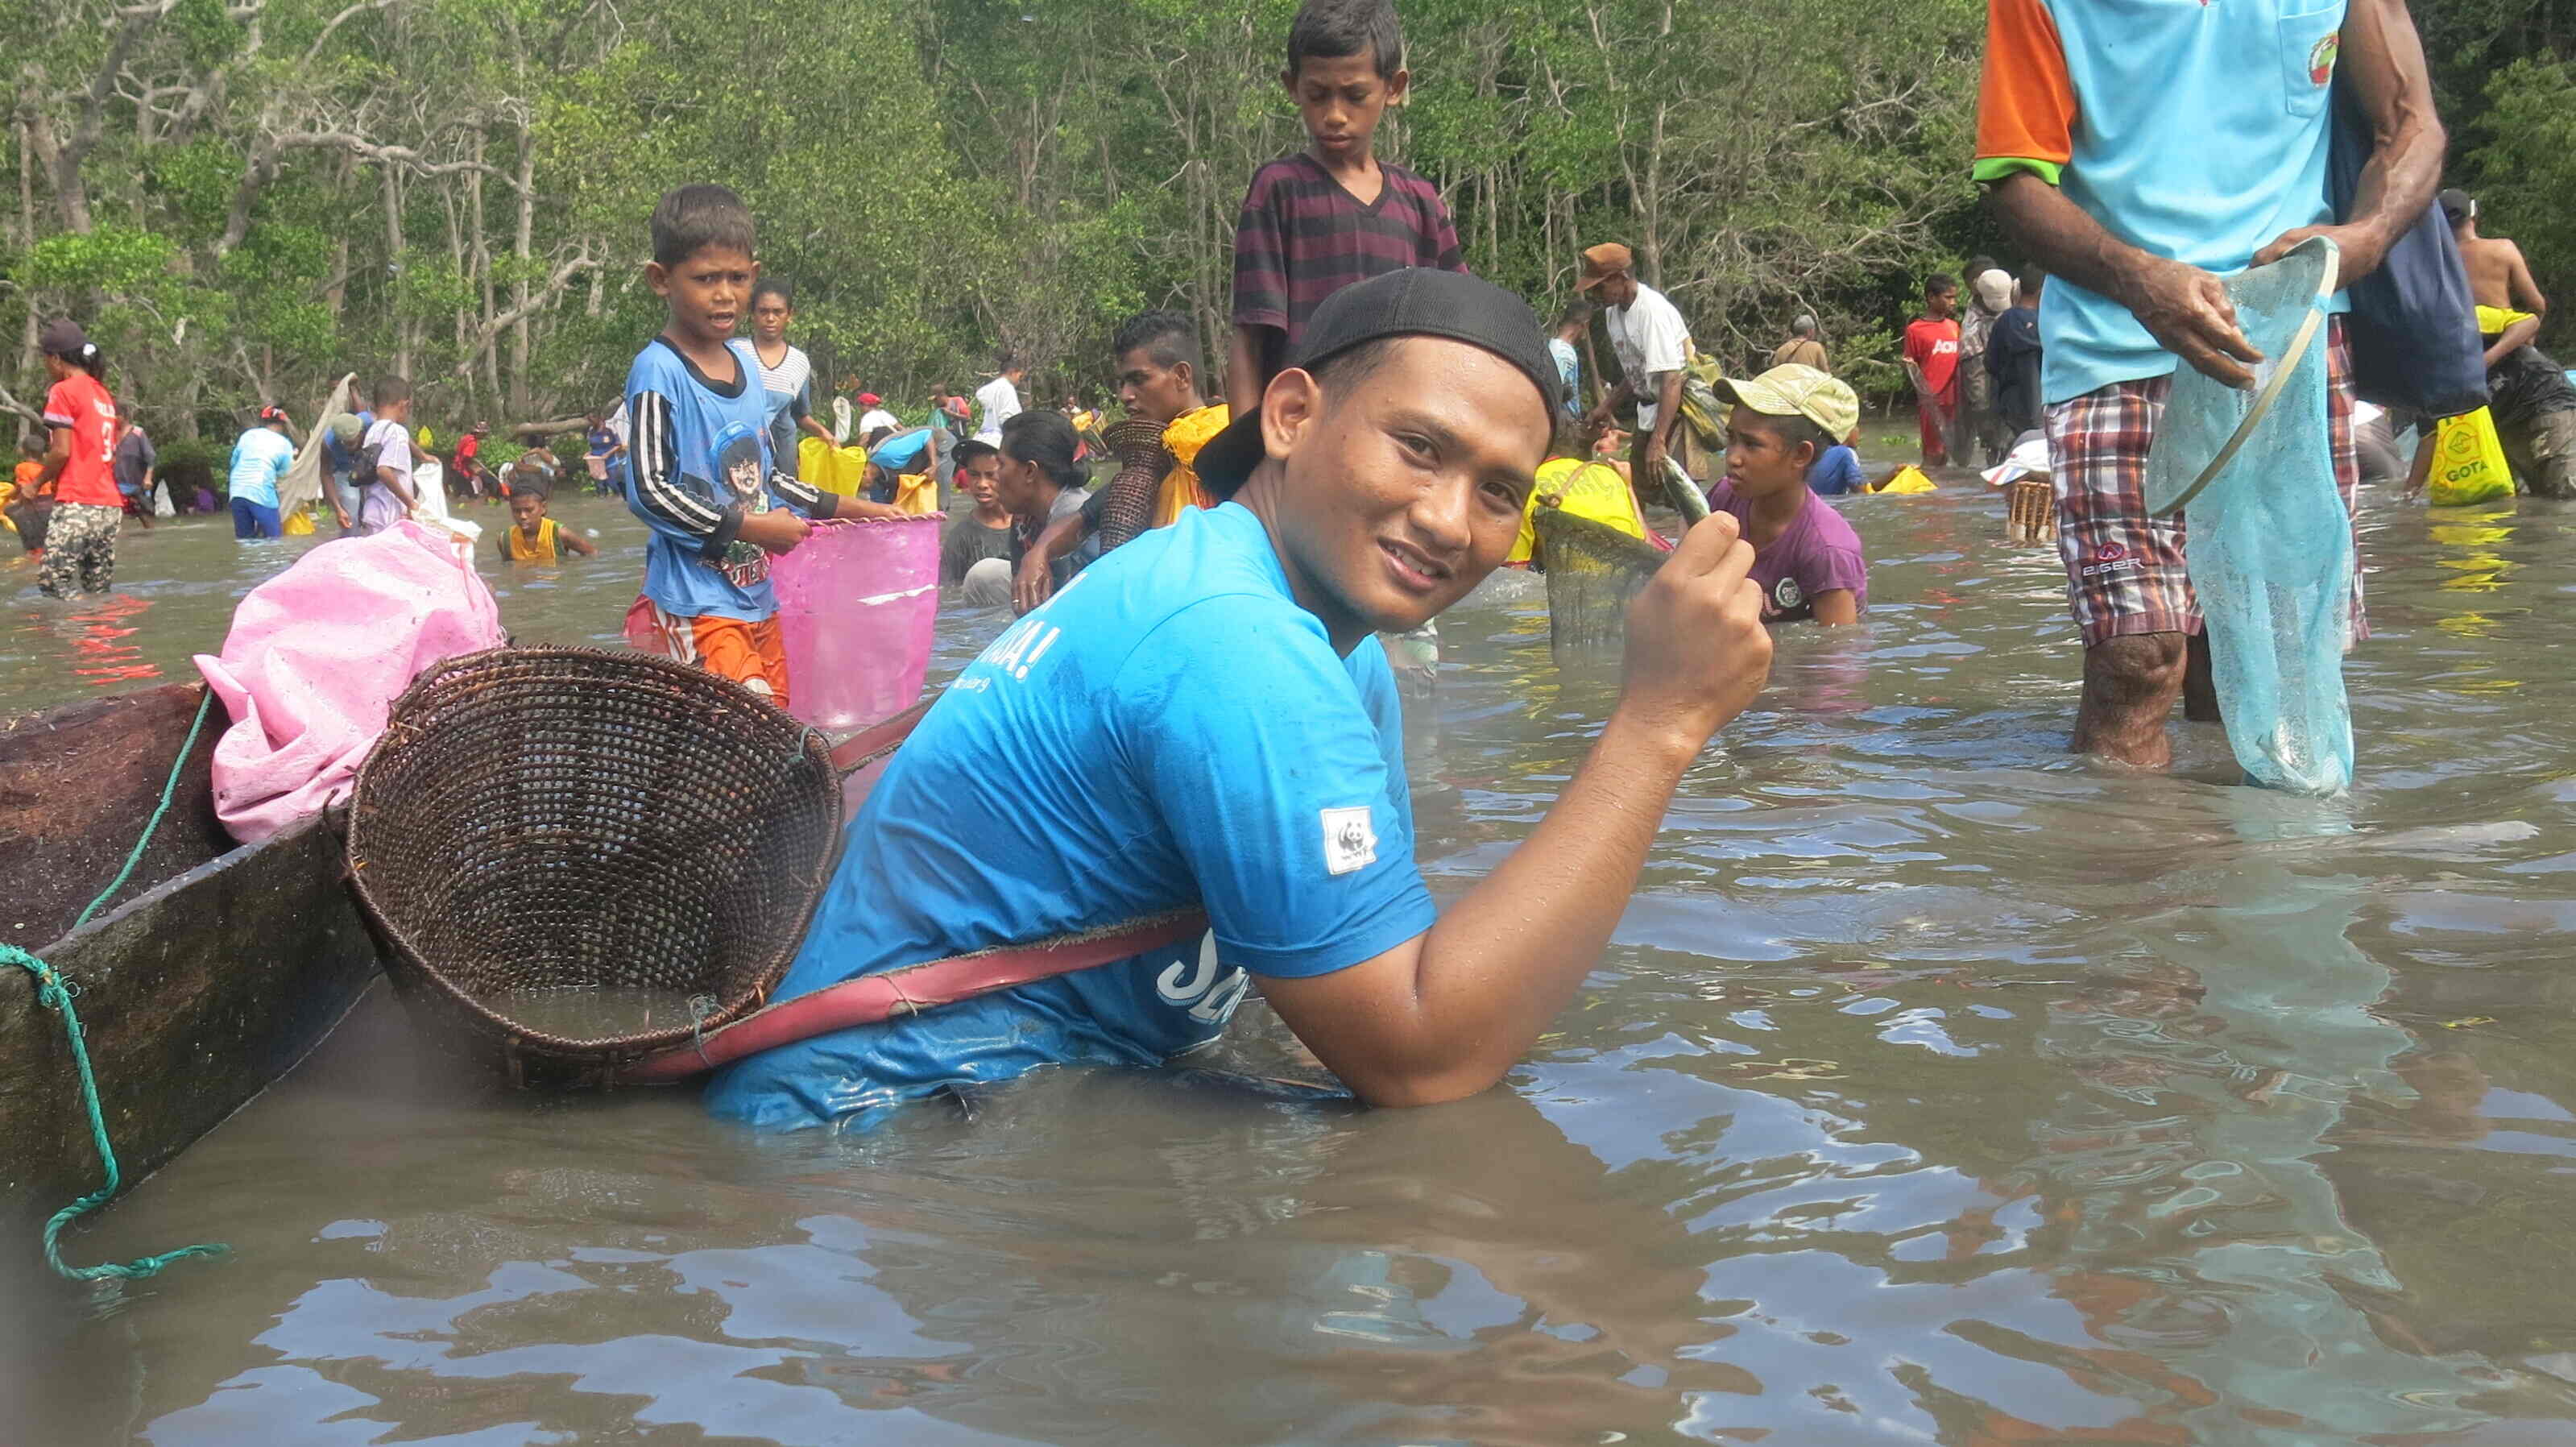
x=542, y=821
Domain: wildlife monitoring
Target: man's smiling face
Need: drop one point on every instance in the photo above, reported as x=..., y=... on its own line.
x=1404, y=471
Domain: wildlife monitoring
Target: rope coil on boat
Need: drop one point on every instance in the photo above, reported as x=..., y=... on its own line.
x=56, y=993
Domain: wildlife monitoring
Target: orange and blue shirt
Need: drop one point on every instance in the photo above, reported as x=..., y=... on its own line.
x=2190, y=129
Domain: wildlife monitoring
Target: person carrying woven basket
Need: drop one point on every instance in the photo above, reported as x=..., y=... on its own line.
x=1168, y=421
x=704, y=479
x=1205, y=719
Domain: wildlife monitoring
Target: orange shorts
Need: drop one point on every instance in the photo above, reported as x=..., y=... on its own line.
x=749, y=653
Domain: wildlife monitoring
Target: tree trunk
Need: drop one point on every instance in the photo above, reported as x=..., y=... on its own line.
x=524, y=241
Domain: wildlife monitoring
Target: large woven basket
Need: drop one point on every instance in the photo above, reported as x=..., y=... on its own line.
x=538, y=820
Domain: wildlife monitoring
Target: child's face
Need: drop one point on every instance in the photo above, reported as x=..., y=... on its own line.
x=1759, y=456
x=525, y=509
x=1152, y=391
x=1940, y=304
x=981, y=474
x=706, y=291
x=1341, y=99
x=769, y=318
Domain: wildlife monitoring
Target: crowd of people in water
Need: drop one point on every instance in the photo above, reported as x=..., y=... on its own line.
x=1381, y=435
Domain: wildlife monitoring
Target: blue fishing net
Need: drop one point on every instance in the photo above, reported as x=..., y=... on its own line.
x=2270, y=544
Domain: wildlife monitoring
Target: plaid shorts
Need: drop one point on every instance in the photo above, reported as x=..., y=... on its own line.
x=2124, y=570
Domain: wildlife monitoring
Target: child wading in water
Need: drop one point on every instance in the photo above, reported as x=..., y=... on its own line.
x=532, y=537
x=704, y=477
x=26, y=511
x=1806, y=557
x=79, y=467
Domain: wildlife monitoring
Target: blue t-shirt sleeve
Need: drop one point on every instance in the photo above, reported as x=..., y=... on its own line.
x=281, y=459
x=1836, y=473
x=1268, y=758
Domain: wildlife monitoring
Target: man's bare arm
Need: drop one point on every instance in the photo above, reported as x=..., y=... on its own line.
x=2383, y=58
x=2516, y=337
x=1035, y=582
x=2527, y=295
x=1446, y=1013
x=2183, y=307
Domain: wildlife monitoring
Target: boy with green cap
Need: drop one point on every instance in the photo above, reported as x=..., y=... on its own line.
x=1806, y=558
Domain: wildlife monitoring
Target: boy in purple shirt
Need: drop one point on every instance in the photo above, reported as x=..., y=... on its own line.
x=1806, y=558
x=1317, y=221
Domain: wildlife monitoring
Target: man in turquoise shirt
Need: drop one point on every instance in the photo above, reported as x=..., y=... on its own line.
x=1241, y=750
x=2136, y=149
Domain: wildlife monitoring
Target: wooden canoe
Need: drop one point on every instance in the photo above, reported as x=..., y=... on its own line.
x=213, y=970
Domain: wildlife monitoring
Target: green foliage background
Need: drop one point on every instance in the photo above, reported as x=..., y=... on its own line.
x=243, y=198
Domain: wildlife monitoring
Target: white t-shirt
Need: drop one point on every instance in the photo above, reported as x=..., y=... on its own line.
x=393, y=443
x=1000, y=401
x=879, y=417
x=1649, y=337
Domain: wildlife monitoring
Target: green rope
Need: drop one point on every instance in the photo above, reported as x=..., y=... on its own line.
x=55, y=993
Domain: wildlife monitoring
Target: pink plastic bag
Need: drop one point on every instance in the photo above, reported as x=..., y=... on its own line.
x=316, y=657
x=857, y=605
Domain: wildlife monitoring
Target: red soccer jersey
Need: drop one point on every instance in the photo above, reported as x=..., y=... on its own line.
x=1934, y=346
x=80, y=405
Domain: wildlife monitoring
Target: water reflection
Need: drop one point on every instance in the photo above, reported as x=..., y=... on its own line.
x=2218, y=1279
x=1936, y=1087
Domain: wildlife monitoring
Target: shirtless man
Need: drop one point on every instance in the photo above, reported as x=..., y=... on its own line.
x=2498, y=276
x=2533, y=404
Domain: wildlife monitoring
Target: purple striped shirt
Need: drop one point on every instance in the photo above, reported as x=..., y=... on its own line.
x=1302, y=237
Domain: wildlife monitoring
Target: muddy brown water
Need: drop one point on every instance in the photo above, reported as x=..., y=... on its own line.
x=1937, y=1088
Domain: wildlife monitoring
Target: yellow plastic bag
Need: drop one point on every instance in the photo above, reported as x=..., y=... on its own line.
x=917, y=493
x=1593, y=490
x=842, y=470
x=2468, y=461
x=298, y=524
x=1180, y=490
x=1907, y=480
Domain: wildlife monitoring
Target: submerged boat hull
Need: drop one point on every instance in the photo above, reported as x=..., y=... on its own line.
x=212, y=973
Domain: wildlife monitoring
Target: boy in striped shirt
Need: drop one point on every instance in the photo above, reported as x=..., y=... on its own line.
x=1333, y=214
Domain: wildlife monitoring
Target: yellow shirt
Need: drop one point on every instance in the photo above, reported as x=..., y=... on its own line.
x=1592, y=490
x=518, y=549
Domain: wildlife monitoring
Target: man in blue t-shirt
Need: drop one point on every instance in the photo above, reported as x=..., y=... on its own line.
x=1243, y=753
x=2137, y=152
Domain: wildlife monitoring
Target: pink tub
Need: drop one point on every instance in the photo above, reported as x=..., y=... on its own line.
x=857, y=602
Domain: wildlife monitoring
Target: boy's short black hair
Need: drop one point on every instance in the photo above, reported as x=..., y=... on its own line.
x=31, y=446
x=970, y=449
x=1332, y=29
x=1167, y=336
x=1576, y=310
x=392, y=391
x=689, y=219
x=773, y=286
x=2033, y=279
x=536, y=490
x=1939, y=282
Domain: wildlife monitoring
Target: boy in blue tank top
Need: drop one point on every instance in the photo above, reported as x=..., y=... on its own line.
x=702, y=475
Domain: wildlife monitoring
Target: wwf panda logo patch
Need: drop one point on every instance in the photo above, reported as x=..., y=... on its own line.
x=1786, y=594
